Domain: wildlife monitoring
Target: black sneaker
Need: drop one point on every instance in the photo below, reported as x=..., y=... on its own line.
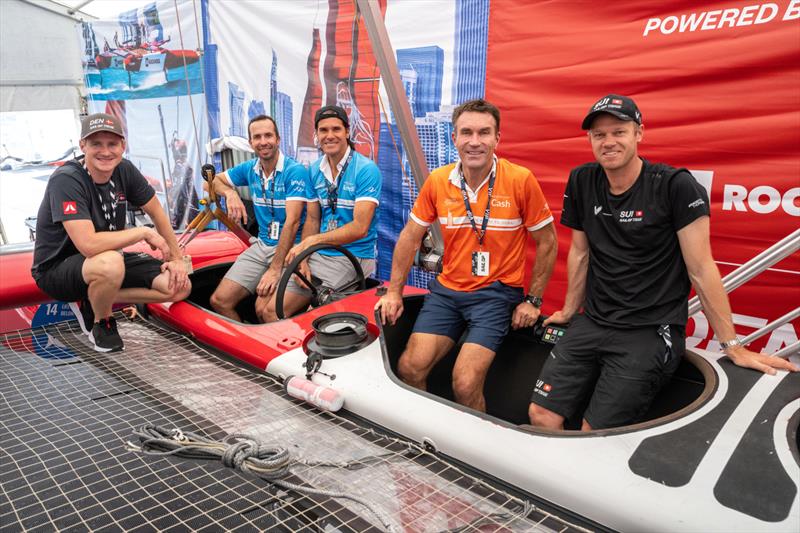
x=105, y=337
x=85, y=315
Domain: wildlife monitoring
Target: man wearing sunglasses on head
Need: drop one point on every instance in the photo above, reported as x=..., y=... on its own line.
x=346, y=193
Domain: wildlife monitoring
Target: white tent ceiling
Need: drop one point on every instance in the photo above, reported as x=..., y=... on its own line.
x=40, y=63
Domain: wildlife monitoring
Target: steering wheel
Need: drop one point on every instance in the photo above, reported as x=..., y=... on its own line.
x=320, y=294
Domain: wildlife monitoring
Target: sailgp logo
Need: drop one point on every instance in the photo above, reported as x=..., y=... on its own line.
x=70, y=208
x=631, y=216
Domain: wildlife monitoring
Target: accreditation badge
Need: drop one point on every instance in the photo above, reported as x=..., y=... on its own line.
x=480, y=263
x=332, y=224
x=274, y=230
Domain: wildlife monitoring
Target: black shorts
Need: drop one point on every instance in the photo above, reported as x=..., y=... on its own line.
x=64, y=281
x=619, y=371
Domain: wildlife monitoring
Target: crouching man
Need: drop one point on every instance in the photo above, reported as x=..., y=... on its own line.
x=80, y=232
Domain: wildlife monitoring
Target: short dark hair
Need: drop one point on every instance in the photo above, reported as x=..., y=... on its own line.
x=478, y=106
x=258, y=118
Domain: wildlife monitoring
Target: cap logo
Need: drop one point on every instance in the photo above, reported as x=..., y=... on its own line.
x=601, y=103
x=96, y=121
x=616, y=101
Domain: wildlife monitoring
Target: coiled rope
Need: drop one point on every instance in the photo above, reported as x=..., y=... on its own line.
x=246, y=454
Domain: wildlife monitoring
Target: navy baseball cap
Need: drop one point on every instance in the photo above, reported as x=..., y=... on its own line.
x=622, y=107
x=331, y=111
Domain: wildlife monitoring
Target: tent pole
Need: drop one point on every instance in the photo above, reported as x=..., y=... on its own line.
x=384, y=53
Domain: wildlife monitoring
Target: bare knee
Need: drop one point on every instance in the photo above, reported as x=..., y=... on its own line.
x=219, y=302
x=265, y=310
x=466, y=385
x=545, y=418
x=180, y=294
x=412, y=367
x=107, y=267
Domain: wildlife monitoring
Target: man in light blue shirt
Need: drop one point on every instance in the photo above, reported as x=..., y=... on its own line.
x=279, y=187
x=345, y=192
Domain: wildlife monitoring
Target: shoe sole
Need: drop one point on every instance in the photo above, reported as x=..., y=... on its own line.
x=77, y=312
x=101, y=349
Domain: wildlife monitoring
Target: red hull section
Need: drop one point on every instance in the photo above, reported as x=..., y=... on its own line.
x=17, y=288
x=256, y=344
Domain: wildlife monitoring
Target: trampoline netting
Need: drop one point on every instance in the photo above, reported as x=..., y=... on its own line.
x=67, y=414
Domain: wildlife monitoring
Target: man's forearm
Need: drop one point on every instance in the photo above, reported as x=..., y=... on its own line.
x=285, y=242
x=716, y=306
x=104, y=241
x=577, y=269
x=402, y=259
x=221, y=185
x=546, y=252
x=346, y=234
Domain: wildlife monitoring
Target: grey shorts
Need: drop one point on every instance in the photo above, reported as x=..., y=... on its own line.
x=251, y=265
x=334, y=271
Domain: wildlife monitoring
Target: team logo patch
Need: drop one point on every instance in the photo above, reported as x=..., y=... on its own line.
x=631, y=216
x=70, y=208
x=542, y=388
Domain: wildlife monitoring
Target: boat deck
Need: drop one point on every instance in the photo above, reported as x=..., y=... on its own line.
x=67, y=414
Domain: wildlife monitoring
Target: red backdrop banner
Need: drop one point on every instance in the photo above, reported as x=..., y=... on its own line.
x=718, y=84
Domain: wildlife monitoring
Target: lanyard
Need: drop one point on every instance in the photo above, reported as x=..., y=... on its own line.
x=333, y=188
x=470, y=216
x=271, y=190
x=111, y=221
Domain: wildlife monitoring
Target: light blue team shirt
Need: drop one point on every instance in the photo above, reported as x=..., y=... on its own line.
x=361, y=181
x=289, y=181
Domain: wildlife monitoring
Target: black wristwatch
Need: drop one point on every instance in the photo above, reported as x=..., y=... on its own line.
x=535, y=301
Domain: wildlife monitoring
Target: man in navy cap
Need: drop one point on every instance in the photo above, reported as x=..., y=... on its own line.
x=640, y=241
x=80, y=232
x=346, y=191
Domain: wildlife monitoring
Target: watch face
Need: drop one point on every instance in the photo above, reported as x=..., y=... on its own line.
x=535, y=301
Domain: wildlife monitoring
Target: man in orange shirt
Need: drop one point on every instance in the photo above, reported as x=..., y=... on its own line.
x=486, y=207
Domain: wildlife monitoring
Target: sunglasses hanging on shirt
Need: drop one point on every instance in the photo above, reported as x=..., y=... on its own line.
x=333, y=194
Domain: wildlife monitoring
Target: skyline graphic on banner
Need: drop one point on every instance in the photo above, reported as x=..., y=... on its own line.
x=421, y=72
x=340, y=68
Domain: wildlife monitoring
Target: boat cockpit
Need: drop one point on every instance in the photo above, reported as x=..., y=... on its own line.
x=513, y=373
x=519, y=361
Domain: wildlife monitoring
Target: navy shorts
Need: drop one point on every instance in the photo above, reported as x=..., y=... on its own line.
x=485, y=313
x=619, y=371
x=64, y=281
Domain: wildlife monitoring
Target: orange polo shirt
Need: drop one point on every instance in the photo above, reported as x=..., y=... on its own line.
x=518, y=206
